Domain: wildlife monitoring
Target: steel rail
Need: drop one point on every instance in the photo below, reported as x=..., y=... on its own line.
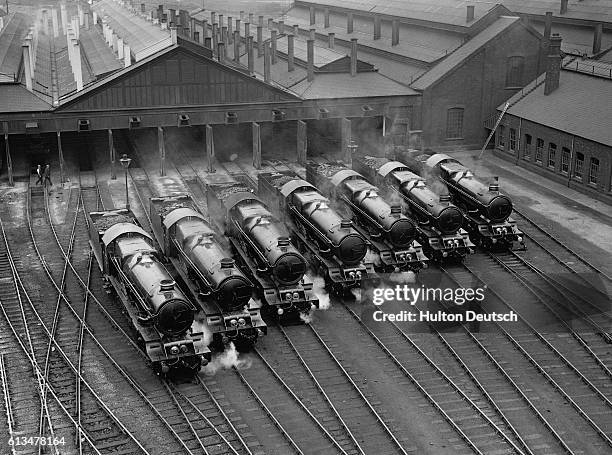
x=60, y=350
x=55, y=324
x=570, y=305
x=540, y=368
x=10, y=420
x=320, y=388
x=358, y=390
x=204, y=418
x=575, y=335
x=448, y=380
x=261, y=403
x=297, y=400
x=568, y=249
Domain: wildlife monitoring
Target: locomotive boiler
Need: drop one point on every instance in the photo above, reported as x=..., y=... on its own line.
x=216, y=283
x=165, y=318
x=439, y=222
x=335, y=247
x=390, y=233
x=486, y=209
x=262, y=243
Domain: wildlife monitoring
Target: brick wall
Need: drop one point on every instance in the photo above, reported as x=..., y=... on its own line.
x=574, y=145
x=478, y=86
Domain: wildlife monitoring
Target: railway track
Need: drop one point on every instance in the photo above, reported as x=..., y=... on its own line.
x=558, y=250
x=561, y=362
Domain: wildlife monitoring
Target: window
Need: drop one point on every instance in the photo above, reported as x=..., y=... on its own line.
x=552, y=152
x=454, y=123
x=565, y=158
x=527, y=149
x=579, y=165
x=539, y=149
x=502, y=137
x=514, y=71
x=594, y=171
x=512, y=139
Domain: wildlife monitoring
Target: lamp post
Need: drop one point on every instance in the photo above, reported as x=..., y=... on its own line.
x=351, y=150
x=125, y=164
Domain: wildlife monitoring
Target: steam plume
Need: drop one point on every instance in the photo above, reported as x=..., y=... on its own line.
x=226, y=360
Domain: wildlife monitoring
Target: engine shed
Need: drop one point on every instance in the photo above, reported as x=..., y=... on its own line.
x=168, y=82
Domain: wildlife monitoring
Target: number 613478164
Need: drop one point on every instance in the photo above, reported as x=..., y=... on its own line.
x=36, y=441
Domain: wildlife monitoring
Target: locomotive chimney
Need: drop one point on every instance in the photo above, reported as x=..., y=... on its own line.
x=396, y=210
x=283, y=243
x=346, y=224
x=445, y=198
x=226, y=263
x=166, y=285
x=563, y=9
x=494, y=186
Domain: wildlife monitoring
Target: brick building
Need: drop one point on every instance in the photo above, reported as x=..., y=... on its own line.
x=559, y=125
x=463, y=58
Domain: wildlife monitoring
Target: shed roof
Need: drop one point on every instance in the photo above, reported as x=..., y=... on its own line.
x=464, y=52
x=101, y=58
x=11, y=38
x=143, y=37
x=332, y=86
x=16, y=98
x=416, y=43
x=580, y=106
x=589, y=10
x=452, y=12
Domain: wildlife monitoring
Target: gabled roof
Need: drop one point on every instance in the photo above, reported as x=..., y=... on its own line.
x=580, y=106
x=175, y=76
x=462, y=53
x=16, y=98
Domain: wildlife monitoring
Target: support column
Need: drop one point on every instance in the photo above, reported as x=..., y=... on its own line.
x=9, y=161
x=302, y=142
x=111, y=153
x=345, y=135
x=210, y=148
x=256, y=145
x=60, y=153
x=161, y=145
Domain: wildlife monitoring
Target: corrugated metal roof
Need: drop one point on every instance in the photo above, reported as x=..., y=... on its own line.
x=332, y=86
x=11, y=38
x=580, y=106
x=462, y=53
x=100, y=57
x=452, y=12
x=16, y=98
x=143, y=37
x=591, y=10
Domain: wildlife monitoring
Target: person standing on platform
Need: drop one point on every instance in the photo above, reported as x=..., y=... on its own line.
x=48, y=175
x=39, y=173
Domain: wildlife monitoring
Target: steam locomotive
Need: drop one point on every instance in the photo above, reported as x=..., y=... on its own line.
x=335, y=247
x=390, y=233
x=168, y=323
x=486, y=210
x=439, y=221
x=221, y=288
x=262, y=244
